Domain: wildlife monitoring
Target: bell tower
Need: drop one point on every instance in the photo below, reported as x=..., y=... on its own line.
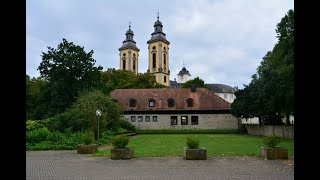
x=158, y=48
x=129, y=53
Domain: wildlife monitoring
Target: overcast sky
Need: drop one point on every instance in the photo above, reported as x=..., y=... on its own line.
x=220, y=41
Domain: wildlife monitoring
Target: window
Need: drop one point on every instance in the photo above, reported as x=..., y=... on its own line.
x=124, y=54
x=190, y=102
x=133, y=103
x=133, y=119
x=134, y=65
x=174, y=120
x=194, y=120
x=170, y=102
x=124, y=64
x=184, y=120
x=154, y=77
x=151, y=103
x=147, y=119
x=164, y=49
x=164, y=59
x=154, y=48
x=154, y=60
x=140, y=118
x=225, y=96
x=154, y=118
x=165, y=79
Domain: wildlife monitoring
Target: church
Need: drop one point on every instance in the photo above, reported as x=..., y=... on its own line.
x=173, y=107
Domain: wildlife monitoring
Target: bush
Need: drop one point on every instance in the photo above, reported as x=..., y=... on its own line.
x=120, y=142
x=116, y=125
x=272, y=140
x=192, y=142
x=242, y=129
x=105, y=137
x=87, y=138
x=36, y=124
x=37, y=135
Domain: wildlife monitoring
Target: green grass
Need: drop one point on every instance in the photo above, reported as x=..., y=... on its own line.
x=172, y=145
x=184, y=131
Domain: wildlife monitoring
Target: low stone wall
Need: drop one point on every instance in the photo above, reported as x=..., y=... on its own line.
x=265, y=130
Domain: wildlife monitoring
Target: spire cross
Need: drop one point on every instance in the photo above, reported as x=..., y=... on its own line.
x=129, y=25
x=158, y=15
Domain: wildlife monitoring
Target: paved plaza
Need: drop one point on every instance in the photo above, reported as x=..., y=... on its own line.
x=45, y=165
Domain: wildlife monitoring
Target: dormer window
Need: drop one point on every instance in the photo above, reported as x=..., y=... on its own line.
x=190, y=102
x=170, y=102
x=151, y=103
x=133, y=102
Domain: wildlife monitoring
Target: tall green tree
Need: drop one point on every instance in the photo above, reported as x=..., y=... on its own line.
x=68, y=69
x=34, y=88
x=196, y=81
x=271, y=90
x=122, y=79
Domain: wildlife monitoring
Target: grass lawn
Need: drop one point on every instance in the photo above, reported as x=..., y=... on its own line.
x=159, y=145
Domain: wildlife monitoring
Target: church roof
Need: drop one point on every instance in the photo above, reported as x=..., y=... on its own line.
x=129, y=43
x=158, y=35
x=183, y=72
x=203, y=99
x=216, y=88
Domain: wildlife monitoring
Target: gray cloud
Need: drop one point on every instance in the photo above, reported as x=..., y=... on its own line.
x=219, y=41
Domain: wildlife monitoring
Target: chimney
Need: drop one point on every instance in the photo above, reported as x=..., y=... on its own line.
x=193, y=88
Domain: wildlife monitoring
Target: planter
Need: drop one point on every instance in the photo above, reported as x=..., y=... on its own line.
x=122, y=153
x=87, y=149
x=195, y=154
x=274, y=153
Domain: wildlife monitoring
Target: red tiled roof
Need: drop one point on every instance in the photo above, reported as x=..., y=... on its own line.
x=203, y=99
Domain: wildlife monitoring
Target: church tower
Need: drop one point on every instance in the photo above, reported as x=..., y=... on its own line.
x=184, y=75
x=158, y=47
x=129, y=53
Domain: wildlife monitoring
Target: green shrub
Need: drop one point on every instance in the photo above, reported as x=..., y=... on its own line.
x=105, y=137
x=87, y=138
x=36, y=124
x=56, y=137
x=116, y=125
x=72, y=119
x=192, y=142
x=37, y=135
x=272, y=140
x=120, y=142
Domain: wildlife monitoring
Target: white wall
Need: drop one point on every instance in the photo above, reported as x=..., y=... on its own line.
x=227, y=96
x=255, y=120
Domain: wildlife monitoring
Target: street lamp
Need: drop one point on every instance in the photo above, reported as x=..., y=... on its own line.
x=98, y=113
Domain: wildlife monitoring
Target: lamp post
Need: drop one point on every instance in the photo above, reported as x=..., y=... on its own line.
x=98, y=113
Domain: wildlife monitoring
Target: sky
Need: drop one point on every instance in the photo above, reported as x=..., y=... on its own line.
x=219, y=41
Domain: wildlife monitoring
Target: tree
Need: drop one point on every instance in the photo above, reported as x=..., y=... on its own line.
x=197, y=81
x=90, y=101
x=122, y=79
x=67, y=70
x=34, y=87
x=269, y=95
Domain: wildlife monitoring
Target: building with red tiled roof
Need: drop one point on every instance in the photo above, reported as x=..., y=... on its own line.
x=195, y=108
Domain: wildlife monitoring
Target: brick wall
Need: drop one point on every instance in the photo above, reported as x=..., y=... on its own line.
x=205, y=121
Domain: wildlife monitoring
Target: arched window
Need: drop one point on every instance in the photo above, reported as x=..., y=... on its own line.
x=164, y=59
x=164, y=49
x=124, y=54
x=124, y=63
x=134, y=62
x=134, y=65
x=154, y=48
x=133, y=102
x=154, y=60
x=190, y=102
x=170, y=102
x=165, y=79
